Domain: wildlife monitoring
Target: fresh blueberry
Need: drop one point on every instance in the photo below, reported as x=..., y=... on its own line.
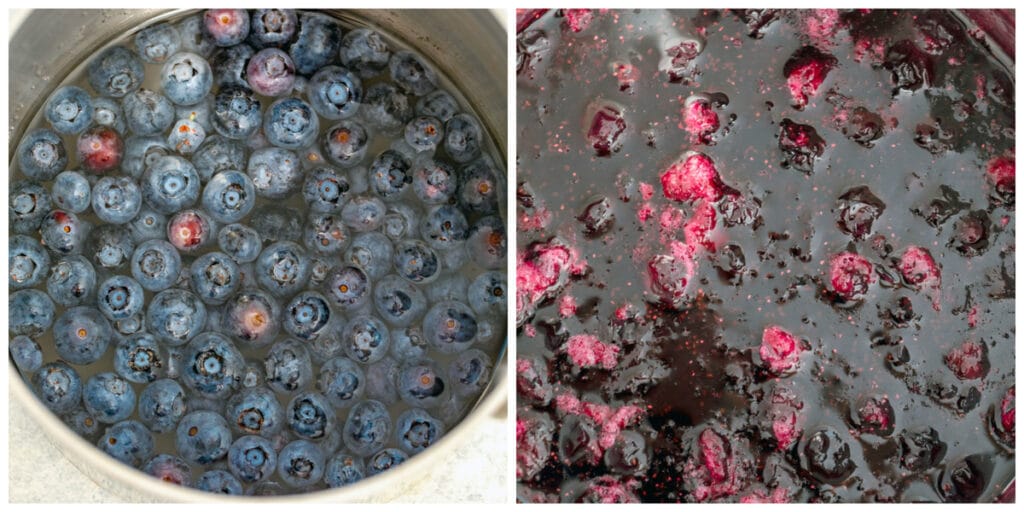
x=169, y=468
x=186, y=136
x=71, y=192
x=307, y=315
x=275, y=172
x=335, y=92
x=445, y=228
x=218, y=481
x=400, y=222
x=479, y=190
x=288, y=366
x=488, y=294
x=310, y=416
x=186, y=78
x=371, y=252
x=58, y=386
x=236, y=112
x=399, y=302
x=200, y=113
x=131, y=325
x=28, y=262
x=190, y=30
x=342, y=381
x=416, y=261
x=141, y=153
x=240, y=242
x=229, y=196
x=421, y=383
x=83, y=423
x=213, y=365
x=462, y=137
x=108, y=397
x=147, y=112
x=424, y=133
x=128, y=441
x=386, y=108
x=368, y=427
x=116, y=200
x=411, y=72
x=107, y=112
x=162, y=405
x=203, y=437
x=381, y=381
x=270, y=72
x=111, y=246
x=140, y=359
x=170, y=184
x=408, y=343
x=25, y=352
x=470, y=372
x=272, y=27
x=226, y=27
x=228, y=65
x=301, y=464
x=120, y=297
x=62, y=232
x=438, y=104
x=157, y=43
x=81, y=335
x=366, y=339
x=450, y=326
x=343, y=469
x=390, y=174
x=252, y=459
x=276, y=223
x=347, y=287
x=345, y=143
x=326, y=189
x=364, y=213
x=115, y=72
x=253, y=374
x=416, y=430
x=255, y=411
x=156, y=265
x=325, y=233
x=291, y=123
x=214, y=277
x=252, y=317
x=317, y=43
x=218, y=154
x=451, y=286
x=384, y=460
x=72, y=281
x=365, y=52
x=41, y=154
x=175, y=316
x=69, y=110
x=282, y=268
x=487, y=243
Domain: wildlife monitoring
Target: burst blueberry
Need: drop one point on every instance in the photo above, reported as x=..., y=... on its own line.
x=229, y=196
x=335, y=92
x=116, y=200
x=162, y=405
x=291, y=123
x=345, y=143
x=120, y=297
x=72, y=281
x=155, y=44
x=41, y=154
x=255, y=411
x=115, y=72
x=203, y=437
x=252, y=317
x=71, y=192
x=236, y=112
x=226, y=27
x=170, y=184
x=128, y=441
x=175, y=316
x=69, y=109
x=270, y=72
x=240, y=242
x=156, y=265
x=252, y=459
x=364, y=51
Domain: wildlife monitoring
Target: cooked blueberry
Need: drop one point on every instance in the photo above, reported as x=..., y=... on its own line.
x=326, y=190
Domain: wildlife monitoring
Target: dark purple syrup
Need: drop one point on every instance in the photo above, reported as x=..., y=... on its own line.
x=764, y=256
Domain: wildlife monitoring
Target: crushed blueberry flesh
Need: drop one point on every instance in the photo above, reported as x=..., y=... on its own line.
x=763, y=256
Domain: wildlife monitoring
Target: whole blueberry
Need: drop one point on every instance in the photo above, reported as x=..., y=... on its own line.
x=470, y=372
x=120, y=297
x=203, y=437
x=157, y=42
x=25, y=352
x=140, y=153
x=326, y=233
x=438, y=104
x=218, y=481
x=213, y=365
x=226, y=27
x=341, y=381
x=115, y=72
x=218, y=154
x=347, y=287
x=364, y=213
x=307, y=315
x=291, y=123
x=107, y=112
x=367, y=428
x=390, y=175
x=200, y=113
x=487, y=243
x=386, y=108
x=236, y=112
x=400, y=221
x=366, y=339
x=28, y=262
x=191, y=231
x=345, y=143
x=72, y=281
x=317, y=43
x=479, y=190
x=415, y=261
x=335, y=92
x=229, y=196
x=186, y=136
x=128, y=441
x=175, y=316
x=162, y=405
x=416, y=430
x=63, y=232
x=147, y=112
x=170, y=184
x=398, y=302
x=445, y=227
x=408, y=343
x=71, y=192
x=252, y=459
x=424, y=133
x=412, y=73
x=240, y=242
x=169, y=468
x=301, y=463
x=288, y=366
x=156, y=265
x=422, y=383
x=310, y=416
x=270, y=72
x=343, y=469
x=116, y=200
x=69, y=109
x=364, y=51
x=272, y=27
x=215, y=277
x=384, y=460
x=450, y=326
x=326, y=189
x=275, y=172
x=463, y=137
x=283, y=268
x=228, y=65
x=140, y=359
x=193, y=37
x=81, y=335
x=186, y=78
x=58, y=386
x=100, y=149
x=371, y=252
x=41, y=154
x=108, y=397
x=255, y=411
x=111, y=246
x=252, y=317
x=433, y=180
x=83, y=423
x=488, y=294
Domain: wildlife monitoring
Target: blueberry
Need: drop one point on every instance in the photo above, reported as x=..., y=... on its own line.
x=381, y=380
x=116, y=200
x=71, y=192
x=470, y=372
x=81, y=334
x=488, y=294
x=478, y=192
x=62, y=232
x=310, y=416
x=115, y=72
x=390, y=174
x=190, y=31
x=335, y=92
x=190, y=230
x=226, y=27
x=276, y=224
x=384, y=460
x=347, y=287
x=365, y=52
x=288, y=366
x=368, y=427
x=83, y=423
x=186, y=136
x=252, y=317
x=307, y=315
x=218, y=154
x=416, y=430
x=343, y=469
x=58, y=386
x=252, y=459
x=28, y=262
x=175, y=316
x=228, y=65
x=236, y=112
x=451, y=286
x=424, y=133
x=131, y=325
x=72, y=281
x=270, y=72
x=415, y=261
x=445, y=228
x=100, y=149
x=111, y=246
x=218, y=481
x=364, y=213
x=463, y=137
x=345, y=143
x=128, y=441
x=186, y=78
x=120, y=297
x=169, y=468
x=291, y=123
x=282, y=268
x=325, y=233
x=326, y=189
x=272, y=27
x=69, y=109
x=301, y=464
x=450, y=326
x=213, y=365
x=399, y=302
x=371, y=252
x=487, y=243
x=366, y=339
x=108, y=397
x=157, y=42
x=148, y=225
x=147, y=112
x=275, y=172
x=341, y=381
x=25, y=352
x=214, y=277
x=421, y=383
x=386, y=108
x=253, y=374
x=162, y=405
x=412, y=73
x=229, y=196
x=141, y=153
x=140, y=359
x=156, y=265
x=170, y=184
x=41, y=154
x=107, y=112
x=438, y=104
x=240, y=242
x=202, y=437
x=255, y=411
x=408, y=343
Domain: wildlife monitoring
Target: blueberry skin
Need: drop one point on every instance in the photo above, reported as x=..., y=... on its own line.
x=147, y=225
x=365, y=52
x=416, y=430
x=83, y=423
x=193, y=39
x=480, y=190
x=371, y=252
x=255, y=411
x=487, y=243
x=288, y=366
x=381, y=381
x=120, y=297
x=147, y=112
x=252, y=317
x=347, y=287
x=215, y=277
x=341, y=381
x=128, y=441
x=218, y=481
x=398, y=302
x=25, y=352
x=213, y=365
x=190, y=231
x=272, y=27
x=175, y=316
x=62, y=232
x=366, y=339
x=71, y=192
x=236, y=112
x=186, y=78
x=422, y=383
x=408, y=344
x=307, y=315
x=140, y=153
x=108, y=397
x=115, y=72
x=470, y=372
x=81, y=335
x=310, y=416
x=450, y=326
x=386, y=108
x=438, y=104
x=72, y=281
x=170, y=185
x=384, y=460
x=270, y=72
x=345, y=144
x=203, y=437
x=186, y=136
x=156, y=265
x=229, y=196
x=400, y=221
x=200, y=113
x=111, y=246
x=301, y=464
x=41, y=154
x=69, y=110
x=488, y=294
x=252, y=459
x=169, y=468
x=344, y=469
x=412, y=73
x=162, y=405
x=415, y=261
x=240, y=242
x=107, y=112
x=58, y=386
x=116, y=200
x=218, y=154
x=424, y=133
x=275, y=172
x=335, y=92
x=28, y=262
x=434, y=181
x=463, y=137
x=229, y=65
x=155, y=44
x=317, y=43
x=325, y=233
x=445, y=228
x=140, y=359
x=390, y=175
x=291, y=123
x=226, y=27
x=276, y=224
x=283, y=268
x=363, y=213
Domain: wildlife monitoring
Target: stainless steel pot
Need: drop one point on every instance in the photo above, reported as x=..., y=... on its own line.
x=469, y=46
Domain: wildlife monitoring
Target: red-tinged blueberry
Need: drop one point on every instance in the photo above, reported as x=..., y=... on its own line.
x=780, y=350
x=190, y=230
x=1003, y=421
x=606, y=126
x=271, y=72
x=226, y=27
x=534, y=435
x=851, y=275
x=670, y=276
x=587, y=351
x=805, y=71
x=170, y=469
x=100, y=149
x=693, y=178
x=700, y=119
x=801, y=145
